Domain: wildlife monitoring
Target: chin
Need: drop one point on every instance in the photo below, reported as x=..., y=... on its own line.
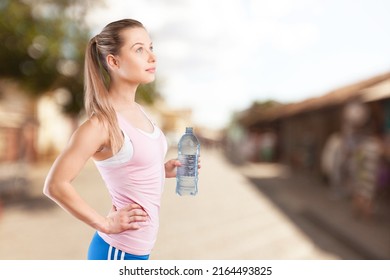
x=149, y=80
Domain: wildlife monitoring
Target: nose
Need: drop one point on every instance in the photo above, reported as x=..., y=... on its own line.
x=152, y=56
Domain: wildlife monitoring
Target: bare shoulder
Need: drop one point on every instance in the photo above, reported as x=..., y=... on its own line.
x=94, y=124
x=90, y=135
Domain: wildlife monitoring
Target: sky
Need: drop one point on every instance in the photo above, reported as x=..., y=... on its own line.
x=219, y=56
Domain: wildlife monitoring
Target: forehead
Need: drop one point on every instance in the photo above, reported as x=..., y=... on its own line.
x=135, y=35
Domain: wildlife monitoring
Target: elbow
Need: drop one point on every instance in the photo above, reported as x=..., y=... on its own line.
x=50, y=189
x=47, y=189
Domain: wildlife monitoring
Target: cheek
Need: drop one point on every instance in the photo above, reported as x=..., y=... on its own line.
x=135, y=65
x=129, y=70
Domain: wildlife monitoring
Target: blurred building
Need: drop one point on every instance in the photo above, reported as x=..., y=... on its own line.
x=18, y=127
x=55, y=127
x=301, y=129
x=341, y=138
x=18, y=139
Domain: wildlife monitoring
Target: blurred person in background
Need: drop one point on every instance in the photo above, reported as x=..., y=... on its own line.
x=362, y=155
x=366, y=171
x=331, y=165
x=126, y=146
x=352, y=158
x=365, y=153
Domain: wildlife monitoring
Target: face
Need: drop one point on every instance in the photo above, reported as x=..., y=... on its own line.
x=136, y=62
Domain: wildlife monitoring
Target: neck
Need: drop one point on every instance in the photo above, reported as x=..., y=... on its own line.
x=122, y=96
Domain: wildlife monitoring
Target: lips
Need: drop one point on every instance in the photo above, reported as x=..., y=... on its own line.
x=151, y=70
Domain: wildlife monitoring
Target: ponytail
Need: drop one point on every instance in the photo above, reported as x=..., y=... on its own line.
x=96, y=96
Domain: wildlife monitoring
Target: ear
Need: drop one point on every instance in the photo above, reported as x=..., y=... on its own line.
x=112, y=62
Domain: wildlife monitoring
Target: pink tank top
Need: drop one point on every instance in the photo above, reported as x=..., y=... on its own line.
x=137, y=179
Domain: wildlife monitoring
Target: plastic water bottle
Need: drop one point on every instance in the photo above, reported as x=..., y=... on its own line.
x=187, y=173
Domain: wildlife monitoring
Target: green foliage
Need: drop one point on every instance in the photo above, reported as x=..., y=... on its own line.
x=43, y=45
x=264, y=105
x=147, y=93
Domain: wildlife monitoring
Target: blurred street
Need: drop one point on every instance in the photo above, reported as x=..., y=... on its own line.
x=255, y=211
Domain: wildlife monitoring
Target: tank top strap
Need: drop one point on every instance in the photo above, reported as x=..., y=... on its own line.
x=146, y=114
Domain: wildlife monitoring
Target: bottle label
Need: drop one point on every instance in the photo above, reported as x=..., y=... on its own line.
x=188, y=165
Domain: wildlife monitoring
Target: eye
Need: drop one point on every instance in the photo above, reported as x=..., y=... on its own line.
x=151, y=48
x=139, y=50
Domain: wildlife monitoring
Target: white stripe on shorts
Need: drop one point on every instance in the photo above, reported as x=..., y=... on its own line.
x=116, y=251
x=109, y=253
x=116, y=254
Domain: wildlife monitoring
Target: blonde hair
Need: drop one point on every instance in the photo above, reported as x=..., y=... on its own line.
x=97, y=77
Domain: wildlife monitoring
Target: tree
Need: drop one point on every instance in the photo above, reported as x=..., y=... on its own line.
x=43, y=43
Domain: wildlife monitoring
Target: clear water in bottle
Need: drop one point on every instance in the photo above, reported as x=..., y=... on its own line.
x=187, y=173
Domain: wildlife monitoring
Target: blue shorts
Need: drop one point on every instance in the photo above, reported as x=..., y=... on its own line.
x=101, y=250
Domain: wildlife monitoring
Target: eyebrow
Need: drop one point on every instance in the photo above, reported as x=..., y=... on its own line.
x=139, y=43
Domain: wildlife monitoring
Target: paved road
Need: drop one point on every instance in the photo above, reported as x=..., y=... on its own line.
x=228, y=219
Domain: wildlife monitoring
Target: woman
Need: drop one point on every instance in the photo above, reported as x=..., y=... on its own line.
x=127, y=147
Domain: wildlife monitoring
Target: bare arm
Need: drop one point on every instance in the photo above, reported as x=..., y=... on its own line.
x=86, y=140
